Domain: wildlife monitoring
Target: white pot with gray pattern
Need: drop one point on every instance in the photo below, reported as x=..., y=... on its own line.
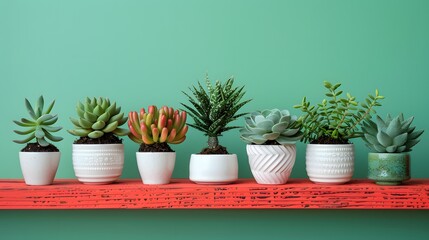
x=271, y=164
x=98, y=163
x=330, y=163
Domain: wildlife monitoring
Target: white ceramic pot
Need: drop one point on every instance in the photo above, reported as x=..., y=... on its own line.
x=156, y=167
x=98, y=163
x=271, y=164
x=213, y=168
x=39, y=168
x=330, y=163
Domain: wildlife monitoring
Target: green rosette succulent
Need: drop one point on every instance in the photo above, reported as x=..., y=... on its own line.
x=97, y=117
x=40, y=126
x=271, y=125
x=392, y=135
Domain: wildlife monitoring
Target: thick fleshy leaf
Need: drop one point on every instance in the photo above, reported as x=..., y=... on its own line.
x=286, y=119
x=79, y=132
x=371, y=139
x=401, y=149
x=416, y=134
x=267, y=124
x=257, y=139
x=384, y=139
x=279, y=127
x=271, y=136
x=394, y=128
x=39, y=132
x=258, y=130
x=120, y=132
x=400, y=139
x=289, y=132
x=42, y=142
x=288, y=140
x=259, y=119
x=391, y=149
x=96, y=134
x=379, y=148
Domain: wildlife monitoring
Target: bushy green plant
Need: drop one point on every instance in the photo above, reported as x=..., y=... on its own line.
x=213, y=109
x=40, y=127
x=157, y=126
x=336, y=119
x=392, y=135
x=97, y=117
x=271, y=126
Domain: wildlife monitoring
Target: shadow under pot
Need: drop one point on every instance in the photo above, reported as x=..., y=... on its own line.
x=389, y=168
x=330, y=163
x=39, y=168
x=98, y=163
x=213, y=168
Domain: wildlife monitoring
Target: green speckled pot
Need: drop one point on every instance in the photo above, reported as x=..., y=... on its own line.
x=389, y=168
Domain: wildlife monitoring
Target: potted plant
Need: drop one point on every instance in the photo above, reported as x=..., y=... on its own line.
x=98, y=154
x=271, y=136
x=154, y=130
x=39, y=160
x=390, y=142
x=212, y=110
x=328, y=127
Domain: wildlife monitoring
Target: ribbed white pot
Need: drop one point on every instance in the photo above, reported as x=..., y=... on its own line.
x=271, y=164
x=156, y=167
x=213, y=168
x=39, y=168
x=98, y=163
x=330, y=163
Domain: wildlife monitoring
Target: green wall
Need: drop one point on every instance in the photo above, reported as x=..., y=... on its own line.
x=140, y=53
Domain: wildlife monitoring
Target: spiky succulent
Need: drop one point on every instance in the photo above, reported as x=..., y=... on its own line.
x=157, y=126
x=393, y=135
x=275, y=125
x=40, y=127
x=214, y=109
x=337, y=119
x=97, y=117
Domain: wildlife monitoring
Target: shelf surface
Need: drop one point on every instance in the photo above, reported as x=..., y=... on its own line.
x=244, y=194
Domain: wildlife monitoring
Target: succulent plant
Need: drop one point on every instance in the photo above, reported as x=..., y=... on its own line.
x=336, y=120
x=157, y=126
x=393, y=135
x=214, y=109
x=40, y=127
x=271, y=125
x=97, y=117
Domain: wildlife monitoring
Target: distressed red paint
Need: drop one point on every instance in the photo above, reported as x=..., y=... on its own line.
x=245, y=194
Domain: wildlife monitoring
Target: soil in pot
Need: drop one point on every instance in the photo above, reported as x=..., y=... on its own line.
x=35, y=147
x=156, y=147
x=328, y=140
x=217, y=150
x=107, y=138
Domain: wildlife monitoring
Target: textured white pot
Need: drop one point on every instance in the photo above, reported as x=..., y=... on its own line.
x=156, y=167
x=330, y=163
x=39, y=168
x=213, y=168
x=98, y=163
x=271, y=164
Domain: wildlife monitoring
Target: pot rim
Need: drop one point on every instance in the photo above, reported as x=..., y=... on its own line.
x=199, y=154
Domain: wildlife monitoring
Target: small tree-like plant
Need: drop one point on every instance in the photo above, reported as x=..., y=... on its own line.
x=213, y=109
x=336, y=120
x=40, y=127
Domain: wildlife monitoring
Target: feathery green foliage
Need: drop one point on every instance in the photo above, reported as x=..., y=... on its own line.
x=97, y=117
x=393, y=135
x=338, y=117
x=40, y=127
x=213, y=109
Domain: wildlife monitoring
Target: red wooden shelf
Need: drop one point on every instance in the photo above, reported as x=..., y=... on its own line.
x=244, y=194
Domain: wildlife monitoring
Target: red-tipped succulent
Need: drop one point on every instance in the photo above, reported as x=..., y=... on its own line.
x=165, y=125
